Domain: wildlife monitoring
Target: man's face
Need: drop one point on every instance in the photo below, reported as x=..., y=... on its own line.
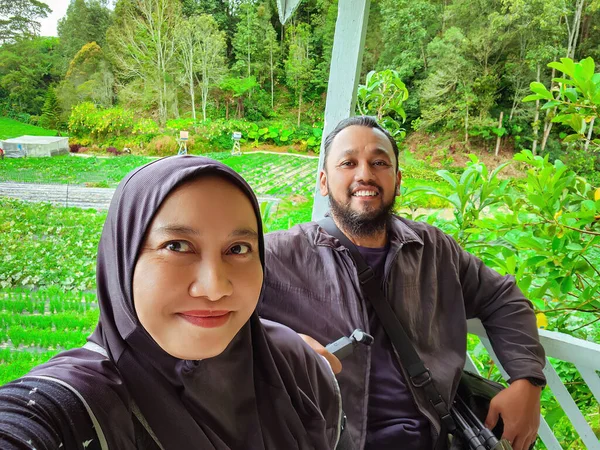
x=361, y=179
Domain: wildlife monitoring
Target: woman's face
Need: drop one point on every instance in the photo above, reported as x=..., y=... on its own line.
x=198, y=275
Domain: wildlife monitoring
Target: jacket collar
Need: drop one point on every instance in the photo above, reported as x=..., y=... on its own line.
x=399, y=232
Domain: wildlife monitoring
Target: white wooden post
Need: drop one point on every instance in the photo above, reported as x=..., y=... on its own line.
x=586, y=358
x=344, y=73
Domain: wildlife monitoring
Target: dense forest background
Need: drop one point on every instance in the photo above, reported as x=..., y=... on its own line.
x=466, y=65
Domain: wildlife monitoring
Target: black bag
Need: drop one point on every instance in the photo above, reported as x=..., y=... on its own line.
x=476, y=392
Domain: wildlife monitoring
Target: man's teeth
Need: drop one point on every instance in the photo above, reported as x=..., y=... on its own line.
x=365, y=194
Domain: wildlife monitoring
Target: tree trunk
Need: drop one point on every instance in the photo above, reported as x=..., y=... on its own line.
x=176, y=104
x=574, y=29
x=516, y=100
x=549, y=114
x=467, y=126
x=499, y=139
x=193, y=98
x=547, y=130
x=536, y=118
x=299, y=106
x=204, y=90
x=589, y=135
x=272, y=77
x=204, y=101
x=248, y=16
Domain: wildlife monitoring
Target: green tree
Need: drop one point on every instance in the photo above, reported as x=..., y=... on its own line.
x=85, y=21
x=448, y=93
x=408, y=27
x=51, y=113
x=246, y=39
x=202, y=55
x=254, y=42
x=27, y=68
x=299, y=63
x=19, y=18
x=142, y=44
x=89, y=78
x=234, y=90
x=224, y=12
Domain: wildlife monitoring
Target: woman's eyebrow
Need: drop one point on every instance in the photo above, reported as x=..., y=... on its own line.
x=176, y=229
x=248, y=233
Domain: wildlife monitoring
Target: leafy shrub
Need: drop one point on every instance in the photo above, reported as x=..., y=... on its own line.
x=74, y=148
x=87, y=120
x=161, y=146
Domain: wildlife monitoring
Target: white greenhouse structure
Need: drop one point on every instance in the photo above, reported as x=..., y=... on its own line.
x=35, y=146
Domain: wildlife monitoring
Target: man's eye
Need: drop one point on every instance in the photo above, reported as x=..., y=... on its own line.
x=178, y=246
x=240, y=249
x=380, y=163
x=346, y=163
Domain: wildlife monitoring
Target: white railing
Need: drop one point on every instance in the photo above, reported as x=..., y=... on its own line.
x=586, y=358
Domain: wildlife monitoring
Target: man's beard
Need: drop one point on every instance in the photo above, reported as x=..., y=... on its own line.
x=361, y=224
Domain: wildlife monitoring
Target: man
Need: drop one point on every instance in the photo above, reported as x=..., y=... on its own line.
x=432, y=285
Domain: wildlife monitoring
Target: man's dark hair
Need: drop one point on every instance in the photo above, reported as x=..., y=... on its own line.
x=361, y=121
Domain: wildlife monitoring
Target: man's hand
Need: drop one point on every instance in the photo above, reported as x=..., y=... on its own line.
x=335, y=363
x=519, y=406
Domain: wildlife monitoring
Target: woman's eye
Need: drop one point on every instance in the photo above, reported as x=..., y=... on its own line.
x=178, y=246
x=240, y=249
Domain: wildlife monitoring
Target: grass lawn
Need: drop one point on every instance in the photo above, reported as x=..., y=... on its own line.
x=10, y=128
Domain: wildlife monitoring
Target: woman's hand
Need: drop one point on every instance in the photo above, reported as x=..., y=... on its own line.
x=335, y=363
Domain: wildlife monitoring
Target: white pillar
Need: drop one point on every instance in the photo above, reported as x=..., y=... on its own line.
x=344, y=73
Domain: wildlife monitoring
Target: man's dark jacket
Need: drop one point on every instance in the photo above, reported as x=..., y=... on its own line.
x=433, y=286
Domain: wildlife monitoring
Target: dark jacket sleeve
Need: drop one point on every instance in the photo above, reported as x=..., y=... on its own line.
x=319, y=400
x=42, y=415
x=506, y=314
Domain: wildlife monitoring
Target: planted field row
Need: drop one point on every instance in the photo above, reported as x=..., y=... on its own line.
x=36, y=324
x=269, y=174
x=44, y=245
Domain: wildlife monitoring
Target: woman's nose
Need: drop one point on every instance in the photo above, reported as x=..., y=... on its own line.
x=211, y=280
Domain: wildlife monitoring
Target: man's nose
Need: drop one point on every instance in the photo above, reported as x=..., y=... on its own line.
x=364, y=172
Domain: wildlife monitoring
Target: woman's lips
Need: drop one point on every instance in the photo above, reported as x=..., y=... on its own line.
x=206, y=319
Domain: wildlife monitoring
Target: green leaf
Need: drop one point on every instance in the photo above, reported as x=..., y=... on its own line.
x=587, y=68
x=566, y=285
x=541, y=90
x=551, y=104
x=564, y=81
x=566, y=66
x=573, y=138
x=571, y=94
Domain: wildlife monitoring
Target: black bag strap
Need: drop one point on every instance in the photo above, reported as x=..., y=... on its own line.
x=420, y=376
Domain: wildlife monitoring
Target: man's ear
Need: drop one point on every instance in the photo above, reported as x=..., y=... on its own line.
x=398, y=182
x=323, y=183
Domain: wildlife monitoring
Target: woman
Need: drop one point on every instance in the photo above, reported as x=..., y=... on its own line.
x=179, y=359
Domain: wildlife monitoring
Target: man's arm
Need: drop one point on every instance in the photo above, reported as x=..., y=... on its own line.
x=510, y=323
x=506, y=314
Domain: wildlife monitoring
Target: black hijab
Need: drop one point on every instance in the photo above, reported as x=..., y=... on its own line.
x=267, y=390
